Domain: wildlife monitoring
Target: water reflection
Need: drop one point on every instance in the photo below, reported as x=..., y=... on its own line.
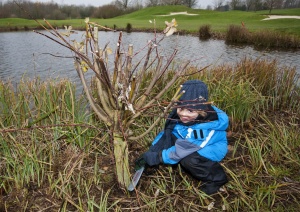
x=27, y=53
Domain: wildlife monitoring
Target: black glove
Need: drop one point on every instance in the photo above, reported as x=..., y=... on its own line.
x=152, y=158
x=139, y=163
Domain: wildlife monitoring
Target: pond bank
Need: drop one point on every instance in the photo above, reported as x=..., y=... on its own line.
x=235, y=34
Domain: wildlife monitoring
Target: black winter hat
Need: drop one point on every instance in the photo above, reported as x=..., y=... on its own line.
x=194, y=96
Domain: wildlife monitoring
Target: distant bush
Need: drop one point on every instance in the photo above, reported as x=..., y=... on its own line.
x=14, y=28
x=273, y=39
x=205, y=32
x=128, y=27
x=237, y=34
x=261, y=39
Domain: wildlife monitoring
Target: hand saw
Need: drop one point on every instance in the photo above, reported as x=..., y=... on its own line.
x=135, y=179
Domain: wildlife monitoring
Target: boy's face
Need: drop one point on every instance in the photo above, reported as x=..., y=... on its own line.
x=187, y=115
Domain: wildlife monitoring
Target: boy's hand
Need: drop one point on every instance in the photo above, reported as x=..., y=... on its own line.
x=139, y=163
x=148, y=158
x=152, y=158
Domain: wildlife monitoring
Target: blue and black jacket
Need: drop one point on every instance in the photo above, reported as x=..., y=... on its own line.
x=207, y=137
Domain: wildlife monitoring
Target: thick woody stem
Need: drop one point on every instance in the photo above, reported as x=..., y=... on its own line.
x=99, y=112
x=100, y=88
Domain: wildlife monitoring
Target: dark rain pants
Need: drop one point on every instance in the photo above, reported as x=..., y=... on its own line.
x=209, y=172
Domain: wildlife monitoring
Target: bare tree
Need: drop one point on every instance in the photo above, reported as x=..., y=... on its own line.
x=271, y=4
x=235, y=3
x=257, y=4
x=138, y=4
x=107, y=11
x=171, y=2
x=218, y=3
x=291, y=3
x=190, y=3
x=249, y=4
x=124, y=4
x=151, y=3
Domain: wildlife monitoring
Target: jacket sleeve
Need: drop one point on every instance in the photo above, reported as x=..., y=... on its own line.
x=158, y=143
x=181, y=149
x=185, y=147
x=156, y=139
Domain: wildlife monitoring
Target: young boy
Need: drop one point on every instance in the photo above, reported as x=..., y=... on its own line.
x=195, y=137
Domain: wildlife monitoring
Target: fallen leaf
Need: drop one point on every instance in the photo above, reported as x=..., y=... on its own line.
x=156, y=193
x=210, y=206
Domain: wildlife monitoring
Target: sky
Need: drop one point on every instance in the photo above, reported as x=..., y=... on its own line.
x=202, y=3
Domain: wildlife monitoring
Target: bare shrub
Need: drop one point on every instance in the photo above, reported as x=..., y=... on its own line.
x=205, y=32
x=128, y=27
x=237, y=34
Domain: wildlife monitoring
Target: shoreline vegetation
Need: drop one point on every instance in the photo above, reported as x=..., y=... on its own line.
x=236, y=27
x=55, y=154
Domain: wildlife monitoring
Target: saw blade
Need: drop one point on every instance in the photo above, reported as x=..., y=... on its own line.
x=136, y=177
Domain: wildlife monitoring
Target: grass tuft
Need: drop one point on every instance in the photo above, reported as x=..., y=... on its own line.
x=55, y=156
x=205, y=32
x=261, y=39
x=128, y=27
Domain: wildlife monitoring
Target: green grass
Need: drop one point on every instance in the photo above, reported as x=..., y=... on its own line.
x=56, y=156
x=294, y=11
x=219, y=21
x=63, y=162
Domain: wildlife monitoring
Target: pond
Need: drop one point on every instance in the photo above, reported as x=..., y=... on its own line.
x=30, y=55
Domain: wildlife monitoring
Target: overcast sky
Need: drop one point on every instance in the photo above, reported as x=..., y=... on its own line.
x=202, y=3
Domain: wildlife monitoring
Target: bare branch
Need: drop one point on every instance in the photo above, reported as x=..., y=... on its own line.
x=166, y=111
x=154, y=80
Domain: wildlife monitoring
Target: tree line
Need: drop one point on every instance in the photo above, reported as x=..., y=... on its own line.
x=52, y=10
